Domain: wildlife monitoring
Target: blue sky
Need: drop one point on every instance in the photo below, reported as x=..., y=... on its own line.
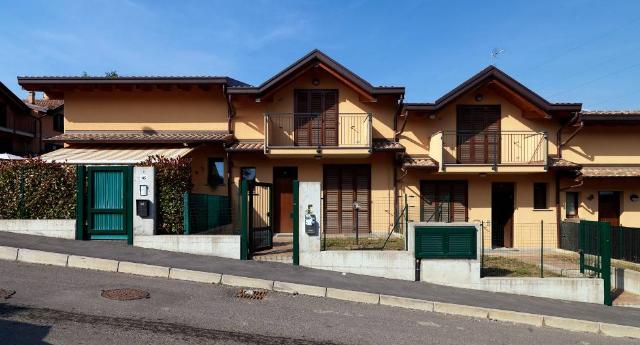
x=570, y=50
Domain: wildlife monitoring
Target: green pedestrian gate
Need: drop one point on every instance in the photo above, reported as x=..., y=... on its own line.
x=105, y=203
x=256, y=217
x=595, y=253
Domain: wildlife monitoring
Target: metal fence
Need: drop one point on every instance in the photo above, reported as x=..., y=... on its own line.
x=625, y=243
x=494, y=147
x=532, y=252
x=386, y=222
x=207, y=214
x=318, y=130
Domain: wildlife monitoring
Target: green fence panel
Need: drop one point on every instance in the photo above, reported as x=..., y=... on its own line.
x=204, y=212
x=446, y=242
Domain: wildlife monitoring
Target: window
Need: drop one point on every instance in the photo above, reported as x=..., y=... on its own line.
x=215, y=176
x=572, y=204
x=539, y=195
x=248, y=174
x=443, y=201
x=3, y=115
x=58, y=123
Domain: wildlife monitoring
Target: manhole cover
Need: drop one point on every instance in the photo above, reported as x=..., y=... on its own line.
x=251, y=294
x=6, y=294
x=124, y=294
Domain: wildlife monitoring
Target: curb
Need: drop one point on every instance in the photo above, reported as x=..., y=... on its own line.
x=537, y=320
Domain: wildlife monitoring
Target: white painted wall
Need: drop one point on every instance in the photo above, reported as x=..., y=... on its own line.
x=144, y=176
x=226, y=246
x=625, y=279
x=58, y=228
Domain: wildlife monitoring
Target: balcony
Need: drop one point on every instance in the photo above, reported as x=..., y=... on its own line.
x=497, y=151
x=318, y=135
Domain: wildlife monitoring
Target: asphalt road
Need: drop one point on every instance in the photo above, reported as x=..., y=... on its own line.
x=63, y=306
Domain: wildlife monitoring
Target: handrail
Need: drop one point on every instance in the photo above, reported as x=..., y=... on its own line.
x=315, y=130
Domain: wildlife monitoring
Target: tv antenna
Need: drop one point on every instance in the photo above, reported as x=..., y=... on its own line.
x=495, y=53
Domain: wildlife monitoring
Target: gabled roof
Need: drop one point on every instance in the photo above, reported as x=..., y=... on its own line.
x=316, y=58
x=45, y=105
x=501, y=80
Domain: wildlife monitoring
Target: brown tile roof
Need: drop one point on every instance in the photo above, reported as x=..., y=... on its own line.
x=246, y=146
x=45, y=104
x=610, y=171
x=610, y=115
x=387, y=145
x=142, y=137
x=423, y=162
x=562, y=164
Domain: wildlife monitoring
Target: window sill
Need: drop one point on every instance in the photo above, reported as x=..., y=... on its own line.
x=542, y=209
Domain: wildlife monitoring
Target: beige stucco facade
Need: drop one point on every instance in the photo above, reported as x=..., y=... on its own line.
x=184, y=109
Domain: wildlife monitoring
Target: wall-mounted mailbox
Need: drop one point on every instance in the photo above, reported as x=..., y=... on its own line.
x=311, y=225
x=142, y=208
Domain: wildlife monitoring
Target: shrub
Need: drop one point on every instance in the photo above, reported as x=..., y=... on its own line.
x=173, y=178
x=34, y=189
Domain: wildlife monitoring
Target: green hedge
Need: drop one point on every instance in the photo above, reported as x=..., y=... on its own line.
x=173, y=178
x=33, y=189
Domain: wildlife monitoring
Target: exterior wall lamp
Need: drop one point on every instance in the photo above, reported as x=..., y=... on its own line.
x=633, y=197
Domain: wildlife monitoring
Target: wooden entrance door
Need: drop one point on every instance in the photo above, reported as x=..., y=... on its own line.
x=478, y=134
x=609, y=207
x=316, y=118
x=502, y=207
x=283, y=184
x=343, y=185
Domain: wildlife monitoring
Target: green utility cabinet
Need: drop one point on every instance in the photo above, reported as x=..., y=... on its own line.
x=446, y=242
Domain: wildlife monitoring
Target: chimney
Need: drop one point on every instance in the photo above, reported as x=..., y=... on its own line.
x=32, y=97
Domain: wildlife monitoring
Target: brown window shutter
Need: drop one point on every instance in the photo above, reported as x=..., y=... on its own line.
x=331, y=200
x=330, y=118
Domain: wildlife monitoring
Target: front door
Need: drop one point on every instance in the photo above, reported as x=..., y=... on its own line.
x=109, y=203
x=502, y=207
x=316, y=118
x=609, y=207
x=283, y=185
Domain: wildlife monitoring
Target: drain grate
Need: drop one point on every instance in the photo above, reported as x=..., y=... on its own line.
x=251, y=294
x=6, y=294
x=125, y=294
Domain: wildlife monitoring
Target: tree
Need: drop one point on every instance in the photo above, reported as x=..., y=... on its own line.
x=111, y=74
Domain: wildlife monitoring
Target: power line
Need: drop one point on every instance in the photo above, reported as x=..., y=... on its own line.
x=585, y=43
x=598, y=79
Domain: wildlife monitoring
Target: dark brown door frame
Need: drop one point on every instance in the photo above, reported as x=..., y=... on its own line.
x=617, y=198
x=322, y=117
x=497, y=205
x=277, y=172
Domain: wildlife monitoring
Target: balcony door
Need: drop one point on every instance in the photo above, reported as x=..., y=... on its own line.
x=478, y=134
x=316, y=118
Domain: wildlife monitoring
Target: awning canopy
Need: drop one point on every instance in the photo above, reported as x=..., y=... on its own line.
x=610, y=171
x=115, y=154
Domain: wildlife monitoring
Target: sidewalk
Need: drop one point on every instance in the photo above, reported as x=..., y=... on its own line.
x=302, y=275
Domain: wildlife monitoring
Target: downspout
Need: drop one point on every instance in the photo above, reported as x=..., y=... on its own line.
x=559, y=145
x=230, y=111
x=396, y=194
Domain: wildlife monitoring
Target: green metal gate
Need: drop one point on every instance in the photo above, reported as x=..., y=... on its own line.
x=595, y=253
x=105, y=212
x=256, y=217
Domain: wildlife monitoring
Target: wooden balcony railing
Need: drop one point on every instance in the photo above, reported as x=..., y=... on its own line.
x=315, y=130
x=494, y=148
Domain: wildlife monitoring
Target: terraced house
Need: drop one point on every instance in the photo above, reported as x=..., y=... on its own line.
x=489, y=150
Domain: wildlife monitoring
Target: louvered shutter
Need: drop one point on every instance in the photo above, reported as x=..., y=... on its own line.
x=301, y=119
x=315, y=120
x=330, y=118
x=344, y=184
x=331, y=200
x=428, y=201
x=459, y=201
x=478, y=134
x=363, y=181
